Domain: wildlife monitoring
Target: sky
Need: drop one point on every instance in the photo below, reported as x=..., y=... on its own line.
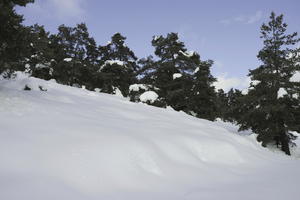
x=227, y=32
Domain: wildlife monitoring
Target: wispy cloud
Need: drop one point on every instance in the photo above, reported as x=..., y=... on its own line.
x=243, y=19
x=255, y=18
x=62, y=9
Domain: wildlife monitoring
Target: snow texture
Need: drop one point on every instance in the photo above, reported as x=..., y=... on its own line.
x=196, y=70
x=117, y=92
x=295, y=77
x=156, y=37
x=150, y=96
x=112, y=62
x=177, y=75
x=281, y=92
x=40, y=65
x=71, y=143
x=68, y=59
x=187, y=53
x=137, y=87
x=255, y=82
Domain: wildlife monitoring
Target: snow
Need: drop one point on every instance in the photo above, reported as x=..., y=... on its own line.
x=177, y=75
x=295, y=77
x=112, y=62
x=187, y=53
x=40, y=65
x=68, y=59
x=71, y=143
x=138, y=87
x=150, y=96
x=255, y=82
x=196, y=70
x=156, y=37
x=281, y=92
x=117, y=92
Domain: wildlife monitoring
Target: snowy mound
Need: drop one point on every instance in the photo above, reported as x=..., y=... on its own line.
x=65, y=143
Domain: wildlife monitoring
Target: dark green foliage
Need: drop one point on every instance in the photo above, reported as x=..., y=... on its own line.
x=13, y=36
x=172, y=60
x=203, y=96
x=76, y=55
x=267, y=113
x=221, y=104
x=234, y=106
x=40, y=54
x=160, y=73
x=117, y=66
x=174, y=74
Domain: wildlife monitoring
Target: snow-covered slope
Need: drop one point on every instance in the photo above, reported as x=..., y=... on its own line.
x=72, y=144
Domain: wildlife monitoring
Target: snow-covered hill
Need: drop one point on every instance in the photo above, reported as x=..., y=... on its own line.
x=72, y=144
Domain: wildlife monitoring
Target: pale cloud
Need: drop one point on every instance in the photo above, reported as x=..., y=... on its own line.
x=243, y=19
x=62, y=9
x=255, y=18
x=226, y=83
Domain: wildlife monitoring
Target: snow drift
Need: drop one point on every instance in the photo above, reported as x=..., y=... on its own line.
x=59, y=142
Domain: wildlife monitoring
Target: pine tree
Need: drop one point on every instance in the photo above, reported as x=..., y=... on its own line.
x=40, y=53
x=270, y=102
x=221, y=104
x=233, y=107
x=203, y=96
x=75, y=56
x=117, y=66
x=13, y=36
x=172, y=73
x=183, y=80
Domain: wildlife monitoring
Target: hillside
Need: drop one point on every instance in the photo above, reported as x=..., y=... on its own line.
x=71, y=143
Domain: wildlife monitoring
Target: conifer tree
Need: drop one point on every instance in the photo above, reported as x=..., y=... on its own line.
x=184, y=81
x=40, y=53
x=270, y=102
x=76, y=56
x=117, y=66
x=172, y=73
x=233, y=107
x=13, y=36
x=203, y=96
x=221, y=103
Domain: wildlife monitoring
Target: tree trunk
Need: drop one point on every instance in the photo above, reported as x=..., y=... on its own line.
x=285, y=144
x=284, y=139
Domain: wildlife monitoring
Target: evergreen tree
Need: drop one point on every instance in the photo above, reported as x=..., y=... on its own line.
x=13, y=36
x=270, y=102
x=184, y=81
x=118, y=66
x=40, y=53
x=172, y=73
x=203, y=96
x=221, y=104
x=233, y=107
x=76, y=56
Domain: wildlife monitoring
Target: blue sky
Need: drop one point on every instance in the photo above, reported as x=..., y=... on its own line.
x=224, y=31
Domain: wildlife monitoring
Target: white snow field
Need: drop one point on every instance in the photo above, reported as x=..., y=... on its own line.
x=72, y=144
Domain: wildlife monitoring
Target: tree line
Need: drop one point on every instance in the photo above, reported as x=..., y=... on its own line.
x=179, y=78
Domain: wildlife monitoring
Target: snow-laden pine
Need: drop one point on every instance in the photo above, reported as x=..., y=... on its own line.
x=59, y=142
